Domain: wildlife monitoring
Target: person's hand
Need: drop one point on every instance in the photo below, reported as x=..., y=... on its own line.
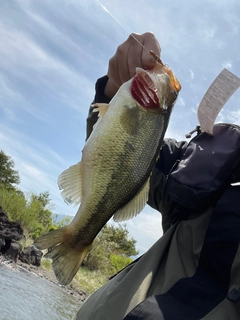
x=129, y=55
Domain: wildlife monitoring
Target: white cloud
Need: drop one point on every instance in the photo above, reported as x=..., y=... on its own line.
x=227, y=64
x=37, y=165
x=223, y=4
x=18, y=48
x=208, y=33
x=191, y=74
x=25, y=59
x=11, y=101
x=194, y=110
x=33, y=173
x=181, y=101
x=234, y=116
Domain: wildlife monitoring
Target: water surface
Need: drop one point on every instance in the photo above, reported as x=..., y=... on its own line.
x=25, y=296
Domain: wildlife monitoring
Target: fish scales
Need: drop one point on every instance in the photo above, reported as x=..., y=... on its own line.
x=112, y=178
x=126, y=170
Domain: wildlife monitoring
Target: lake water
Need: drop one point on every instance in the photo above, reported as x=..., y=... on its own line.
x=24, y=296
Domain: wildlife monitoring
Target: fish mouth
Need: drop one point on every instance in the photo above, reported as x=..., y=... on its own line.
x=144, y=91
x=155, y=89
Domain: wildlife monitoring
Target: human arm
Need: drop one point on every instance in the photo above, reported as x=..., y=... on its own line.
x=122, y=67
x=100, y=98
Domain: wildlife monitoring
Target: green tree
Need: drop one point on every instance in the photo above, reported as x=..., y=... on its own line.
x=120, y=236
x=8, y=175
x=111, y=250
x=31, y=211
x=60, y=223
x=13, y=202
x=39, y=213
x=119, y=262
x=44, y=210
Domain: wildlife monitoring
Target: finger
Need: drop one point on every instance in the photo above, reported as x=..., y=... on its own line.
x=118, y=67
x=139, y=55
x=135, y=53
x=110, y=89
x=113, y=73
x=150, y=43
x=122, y=61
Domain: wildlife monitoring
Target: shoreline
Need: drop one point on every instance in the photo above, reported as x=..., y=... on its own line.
x=44, y=274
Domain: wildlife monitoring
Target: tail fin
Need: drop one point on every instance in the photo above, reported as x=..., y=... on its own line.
x=66, y=258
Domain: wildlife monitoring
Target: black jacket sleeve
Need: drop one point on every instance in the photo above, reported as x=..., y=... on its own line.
x=99, y=97
x=159, y=199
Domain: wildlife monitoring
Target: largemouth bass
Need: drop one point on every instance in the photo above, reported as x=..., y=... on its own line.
x=112, y=179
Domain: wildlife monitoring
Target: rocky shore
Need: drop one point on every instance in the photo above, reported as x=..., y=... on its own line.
x=14, y=256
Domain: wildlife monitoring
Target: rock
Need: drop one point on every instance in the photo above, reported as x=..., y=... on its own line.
x=2, y=242
x=31, y=255
x=9, y=229
x=12, y=253
x=10, y=233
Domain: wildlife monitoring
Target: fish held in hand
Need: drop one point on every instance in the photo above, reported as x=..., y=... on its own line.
x=112, y=179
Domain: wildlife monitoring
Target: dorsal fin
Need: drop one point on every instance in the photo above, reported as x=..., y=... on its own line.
x=70, y=181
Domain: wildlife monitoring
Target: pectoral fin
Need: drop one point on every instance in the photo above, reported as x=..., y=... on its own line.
x=135, y=206
x=70, y=181
x=101, y=108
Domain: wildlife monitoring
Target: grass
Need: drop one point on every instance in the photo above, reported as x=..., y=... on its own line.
x=27, y=242
x=89, y=280
x=46, y=264
x=85, y=279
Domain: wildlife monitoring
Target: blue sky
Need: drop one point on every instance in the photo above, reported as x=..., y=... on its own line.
x=52, y=52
